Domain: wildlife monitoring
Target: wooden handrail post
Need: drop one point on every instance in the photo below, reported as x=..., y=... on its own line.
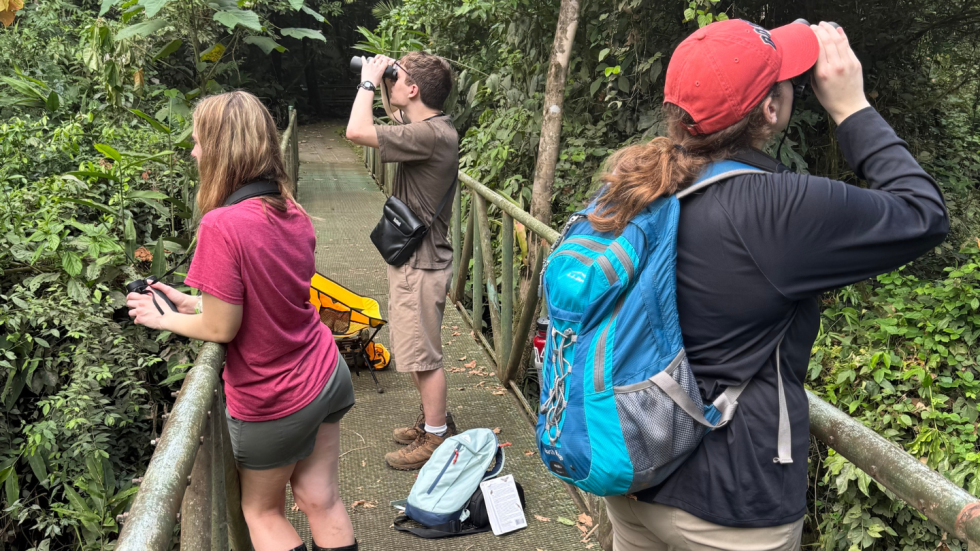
x=238, y=537
x=507, y=293
x=528, y=313
x=455, y=225
x=219, y=513
x=489, y=279
x=477, y=318
x=196, y=509
x=463, y=273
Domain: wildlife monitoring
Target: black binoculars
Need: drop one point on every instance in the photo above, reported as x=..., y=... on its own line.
x=801, y=82
x=142, y=286
x=807, y=23
x=391, y=72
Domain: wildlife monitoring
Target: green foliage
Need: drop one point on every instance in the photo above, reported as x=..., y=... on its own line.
x=88, y=179
x=903, y=358
x=77, y=384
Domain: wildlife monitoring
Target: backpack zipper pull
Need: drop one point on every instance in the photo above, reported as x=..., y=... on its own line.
x=455, y=456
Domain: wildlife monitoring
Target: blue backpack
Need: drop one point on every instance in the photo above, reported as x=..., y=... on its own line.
x=620, y=407
x=441, y=495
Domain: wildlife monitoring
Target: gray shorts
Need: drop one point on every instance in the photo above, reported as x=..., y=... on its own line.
x=263, y=445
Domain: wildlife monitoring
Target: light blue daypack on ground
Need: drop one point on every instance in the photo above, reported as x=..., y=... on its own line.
x=620, y=407
x=443, y=489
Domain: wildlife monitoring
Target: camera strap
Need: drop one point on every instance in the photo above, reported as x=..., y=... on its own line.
x=251, y=190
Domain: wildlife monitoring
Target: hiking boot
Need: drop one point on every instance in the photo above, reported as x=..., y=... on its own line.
x=407, y=435
x=416, y=454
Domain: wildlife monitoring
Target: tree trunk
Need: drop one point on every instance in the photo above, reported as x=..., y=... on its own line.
x=554, y=98
x=549, y=144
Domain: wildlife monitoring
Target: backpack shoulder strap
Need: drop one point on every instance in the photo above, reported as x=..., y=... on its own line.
x=498, y=464
x=716, y=172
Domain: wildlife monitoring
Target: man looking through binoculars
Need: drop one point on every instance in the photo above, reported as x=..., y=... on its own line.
x=426, y=147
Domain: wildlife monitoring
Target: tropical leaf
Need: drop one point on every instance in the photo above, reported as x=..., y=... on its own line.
x=153, y=6
x=71, y=263
x=316, y=15
x=36, y=461
x=106, y=4
x=246, y=18
x=173, y=379
x=90, y=204
x=265, y=43
x=168, y=49
x=147, y=195
x=108, y=151
x=76, y=501
x=12, y=487
x=145, y=28
x=25, y=88
x=92, y=174
x=77, y=290
x=300, y=33
x=53, y=102
x=153, y=122
x=159, y=265
x=9, y=7
x=296, y=4
x=129, y=230
x=182, y=138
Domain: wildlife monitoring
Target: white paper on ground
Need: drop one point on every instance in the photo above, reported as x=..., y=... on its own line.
x=503, y=504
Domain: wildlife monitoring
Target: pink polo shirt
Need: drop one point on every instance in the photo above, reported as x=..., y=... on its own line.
x=256, y=256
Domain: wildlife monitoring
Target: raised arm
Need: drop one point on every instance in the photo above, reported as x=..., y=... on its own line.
x=360, y=128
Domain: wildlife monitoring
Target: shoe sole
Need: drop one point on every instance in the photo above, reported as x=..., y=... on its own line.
x=412, y=467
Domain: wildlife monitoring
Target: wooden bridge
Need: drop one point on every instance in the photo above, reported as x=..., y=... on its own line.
x=192, y=481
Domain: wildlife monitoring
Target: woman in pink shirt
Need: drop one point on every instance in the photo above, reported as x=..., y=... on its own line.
x=287, y=386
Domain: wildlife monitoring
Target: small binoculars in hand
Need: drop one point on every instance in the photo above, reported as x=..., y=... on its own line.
x=391, y=72
x=142, y=286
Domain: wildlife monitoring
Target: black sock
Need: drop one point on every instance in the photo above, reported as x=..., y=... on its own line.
x=300, y=547
x=351, y=547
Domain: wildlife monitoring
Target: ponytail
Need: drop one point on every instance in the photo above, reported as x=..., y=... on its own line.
x=640, y=174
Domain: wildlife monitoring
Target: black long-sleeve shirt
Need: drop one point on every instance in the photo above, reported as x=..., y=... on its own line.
x=753, y=253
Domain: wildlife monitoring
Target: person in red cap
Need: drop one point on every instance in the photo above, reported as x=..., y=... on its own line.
x=754, y=251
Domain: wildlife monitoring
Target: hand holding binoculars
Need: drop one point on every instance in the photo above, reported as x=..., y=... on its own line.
x=356, y=62
x=142, y=286
x=807, y=23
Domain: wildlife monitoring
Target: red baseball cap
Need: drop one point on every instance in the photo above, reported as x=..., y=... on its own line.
x=723, y=70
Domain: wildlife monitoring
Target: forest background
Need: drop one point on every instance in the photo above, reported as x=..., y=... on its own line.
x=97, y=188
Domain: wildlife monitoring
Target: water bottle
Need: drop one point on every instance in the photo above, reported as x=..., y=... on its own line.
x=539, y=341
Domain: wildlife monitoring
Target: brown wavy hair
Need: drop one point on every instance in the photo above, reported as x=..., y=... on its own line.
x=432, y=74
x=239, y=145
x=637, y=175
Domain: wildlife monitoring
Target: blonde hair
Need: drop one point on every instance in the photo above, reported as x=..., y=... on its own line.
x=239, y=145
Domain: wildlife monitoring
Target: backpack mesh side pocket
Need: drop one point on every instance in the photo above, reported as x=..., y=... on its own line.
x=659, y=435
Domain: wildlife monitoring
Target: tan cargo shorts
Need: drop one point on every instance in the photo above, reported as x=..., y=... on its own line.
x=416, y=303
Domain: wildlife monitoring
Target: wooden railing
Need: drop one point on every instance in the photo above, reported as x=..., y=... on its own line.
x=289, y=146
x=192, y=478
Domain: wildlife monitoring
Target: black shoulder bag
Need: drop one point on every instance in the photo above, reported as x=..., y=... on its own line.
x=400, y=232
